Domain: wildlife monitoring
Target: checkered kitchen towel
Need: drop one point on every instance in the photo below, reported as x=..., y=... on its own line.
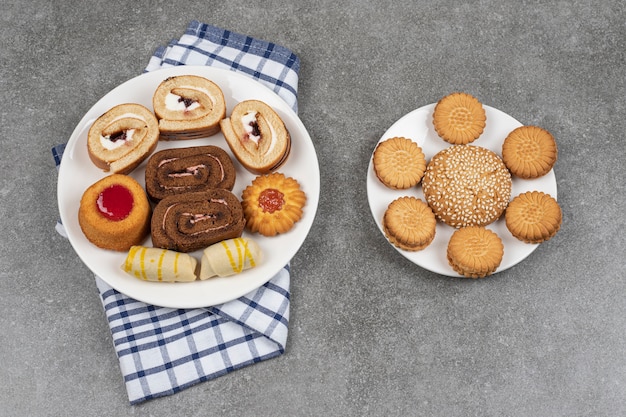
x=162, y=350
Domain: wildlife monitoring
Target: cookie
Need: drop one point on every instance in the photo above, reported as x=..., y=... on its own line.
x=399, y=163
x=409, y=224
x=272, y=204
x=475, y=251
x=529, y=152
x=459, y=118
x=467, y=185
x=533, y=217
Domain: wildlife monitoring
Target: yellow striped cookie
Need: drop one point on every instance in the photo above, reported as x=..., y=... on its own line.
x=533, y=217
x=399, y=163
x=529, y=152
x=409, y=224
x=475, y=251
x=459, y=118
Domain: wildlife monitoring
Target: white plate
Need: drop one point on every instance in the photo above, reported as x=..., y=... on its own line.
x=77, y=172
x=417, y=125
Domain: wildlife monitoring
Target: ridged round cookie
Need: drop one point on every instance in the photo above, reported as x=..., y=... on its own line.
x=467, y=185
x=409, y=223
x=533, y=217
x=475, y=251
x=399, y=163
x=529, y=152
x=272, y=204
x=459, y=118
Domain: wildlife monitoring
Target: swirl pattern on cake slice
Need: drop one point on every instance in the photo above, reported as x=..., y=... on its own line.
x=257, y=136
x=193, y=169
x=191, y=221
x=188, y=107
x=123, y=137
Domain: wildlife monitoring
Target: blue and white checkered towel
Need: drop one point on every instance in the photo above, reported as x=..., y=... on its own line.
x=162, y=350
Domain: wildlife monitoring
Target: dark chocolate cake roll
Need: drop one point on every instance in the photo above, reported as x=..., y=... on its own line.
x=191, y=221
x=193, y=169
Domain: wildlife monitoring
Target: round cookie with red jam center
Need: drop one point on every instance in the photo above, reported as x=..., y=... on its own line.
x=114, y=213
x=272, y=204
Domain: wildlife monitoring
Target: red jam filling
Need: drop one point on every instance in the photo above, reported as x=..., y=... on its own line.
x=271, y=200
x=115, y=202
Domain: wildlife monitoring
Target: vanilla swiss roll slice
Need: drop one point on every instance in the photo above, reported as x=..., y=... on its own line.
x=191, y=221
x=120, y=139
x=153, y=264
x=229, y=257
x=257, y=136
x=188, y=107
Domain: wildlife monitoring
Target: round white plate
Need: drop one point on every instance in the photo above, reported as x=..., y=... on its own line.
x=77, y=172
x=417, y=125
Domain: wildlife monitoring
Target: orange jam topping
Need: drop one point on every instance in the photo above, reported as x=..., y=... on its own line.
x=271, y=200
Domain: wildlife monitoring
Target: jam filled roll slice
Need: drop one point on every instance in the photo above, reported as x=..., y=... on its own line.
x=188, y=107
x=120, y=139
x=193, y=169
x=257, y=136
x=191, y=221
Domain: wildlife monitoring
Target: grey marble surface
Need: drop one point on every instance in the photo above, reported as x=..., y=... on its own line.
x=370, y=333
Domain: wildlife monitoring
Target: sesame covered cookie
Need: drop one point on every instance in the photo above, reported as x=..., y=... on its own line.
x=467, y=185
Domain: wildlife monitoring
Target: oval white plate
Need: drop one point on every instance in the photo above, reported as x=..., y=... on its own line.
x=417, y=125
x=77, y=172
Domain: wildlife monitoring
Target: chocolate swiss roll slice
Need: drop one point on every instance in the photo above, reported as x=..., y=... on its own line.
x=191, y=221
x=257, y=136
x=120, y=139
x=193, y=169
x=188, y=107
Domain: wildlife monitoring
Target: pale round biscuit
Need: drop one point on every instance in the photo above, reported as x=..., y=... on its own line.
x=399, y=163
x=529, y=152
x=467, y=185
x=475, y=251
x=409, y=223
x=459, y=118
x=533, y=217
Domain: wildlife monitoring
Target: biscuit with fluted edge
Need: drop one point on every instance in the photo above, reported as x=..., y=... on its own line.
x=399, y=163
x=533, y=217
x=529, y=152
x=459, y=118
x=475, y=251
x=272, y=204
x=409, y=224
